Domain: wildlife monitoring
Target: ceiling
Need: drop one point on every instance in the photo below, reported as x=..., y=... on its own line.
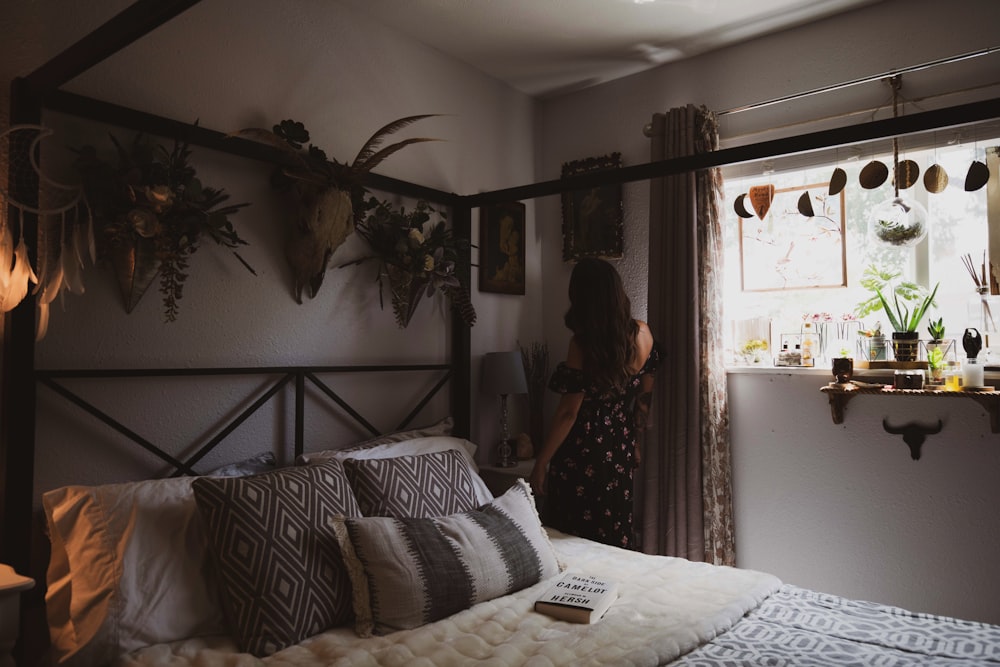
x=547, y=47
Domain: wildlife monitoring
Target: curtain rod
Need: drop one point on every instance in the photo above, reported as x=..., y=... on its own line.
x=867, y=79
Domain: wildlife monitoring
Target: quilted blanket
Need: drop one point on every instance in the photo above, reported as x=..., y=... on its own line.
x=667, y=607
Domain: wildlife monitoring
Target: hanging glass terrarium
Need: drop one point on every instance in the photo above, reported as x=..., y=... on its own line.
x=900, y=222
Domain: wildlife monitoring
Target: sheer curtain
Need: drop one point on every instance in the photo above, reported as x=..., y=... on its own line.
x=687, y=481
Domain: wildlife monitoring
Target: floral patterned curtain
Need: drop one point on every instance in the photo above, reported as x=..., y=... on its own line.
x=686, y=487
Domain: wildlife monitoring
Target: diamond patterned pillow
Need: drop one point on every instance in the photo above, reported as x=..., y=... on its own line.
x=423, y=485
x=281, y=573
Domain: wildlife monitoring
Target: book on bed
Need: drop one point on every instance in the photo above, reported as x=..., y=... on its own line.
x=578, y=598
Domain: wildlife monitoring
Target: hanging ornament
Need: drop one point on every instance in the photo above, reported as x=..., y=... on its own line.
x=761, y=197
x=977, y=177
x=906, y=174
x=837, y=181
x=740, y=207
x=805, y=205
x=900, y=221
x=873, y=175
x=935, y=179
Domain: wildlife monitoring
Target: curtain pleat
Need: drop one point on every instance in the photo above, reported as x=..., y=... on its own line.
x=686, y=486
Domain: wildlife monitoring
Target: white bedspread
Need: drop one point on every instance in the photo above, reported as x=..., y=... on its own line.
x=667, y=607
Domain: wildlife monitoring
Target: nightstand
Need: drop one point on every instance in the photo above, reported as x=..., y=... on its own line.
x=11, y=586
x=500, y=479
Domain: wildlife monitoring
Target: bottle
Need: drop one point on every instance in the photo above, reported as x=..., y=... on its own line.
x=953, y=376
x=973, y=375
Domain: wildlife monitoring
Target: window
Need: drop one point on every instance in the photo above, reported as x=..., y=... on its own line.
x=767, y=306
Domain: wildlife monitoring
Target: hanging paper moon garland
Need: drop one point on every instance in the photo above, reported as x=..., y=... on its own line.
x=977, y=177
x=806, y=205
x=873, y=175
x=761, y=197
x=740, y=207
x=837, y=181
x=906, y=174
x=935, y=179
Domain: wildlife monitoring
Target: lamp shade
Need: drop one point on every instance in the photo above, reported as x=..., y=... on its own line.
x=503, y=373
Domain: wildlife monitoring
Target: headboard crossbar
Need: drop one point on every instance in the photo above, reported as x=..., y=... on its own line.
x=295, y=376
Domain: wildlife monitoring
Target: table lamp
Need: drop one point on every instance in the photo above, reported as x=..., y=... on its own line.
x=503, y=374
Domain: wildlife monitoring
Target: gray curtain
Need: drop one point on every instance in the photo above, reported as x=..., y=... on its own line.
x=686, y=482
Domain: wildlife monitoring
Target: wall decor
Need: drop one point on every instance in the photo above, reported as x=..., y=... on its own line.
x=592, y=218
x=323, y=192
x=501, y=248
x=151, y=213
x=787, y=250
x=414, y=260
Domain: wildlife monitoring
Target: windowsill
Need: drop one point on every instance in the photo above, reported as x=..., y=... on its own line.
x=825, y=372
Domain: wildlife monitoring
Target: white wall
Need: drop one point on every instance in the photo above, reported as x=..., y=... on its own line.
x=232, y=64
x=841, y=509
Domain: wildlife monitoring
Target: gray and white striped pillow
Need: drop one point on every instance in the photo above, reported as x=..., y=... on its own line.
x=411, y=571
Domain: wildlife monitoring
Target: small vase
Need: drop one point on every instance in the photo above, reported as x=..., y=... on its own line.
x=905, y=345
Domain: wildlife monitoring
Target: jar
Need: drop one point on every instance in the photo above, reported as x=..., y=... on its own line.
x=973, y=375
x=953, y=376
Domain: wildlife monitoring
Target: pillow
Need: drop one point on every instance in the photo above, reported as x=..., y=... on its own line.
x=426, y=485
x=127, y=570
x=281, y=576
x=442, y=427
x=408, y=572
x=263, y=462
x=413, y=447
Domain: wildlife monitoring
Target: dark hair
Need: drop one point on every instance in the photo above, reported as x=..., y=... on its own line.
x=600, y=317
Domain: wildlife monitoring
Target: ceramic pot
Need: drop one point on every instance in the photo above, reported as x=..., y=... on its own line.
x=905, y=345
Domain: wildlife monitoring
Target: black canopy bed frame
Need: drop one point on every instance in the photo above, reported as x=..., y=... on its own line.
x=40, y=90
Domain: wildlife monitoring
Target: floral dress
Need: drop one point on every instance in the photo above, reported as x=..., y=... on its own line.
x=589, y=484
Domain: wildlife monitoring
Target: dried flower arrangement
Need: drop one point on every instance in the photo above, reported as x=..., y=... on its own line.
x=151, y=213
x=414, y=260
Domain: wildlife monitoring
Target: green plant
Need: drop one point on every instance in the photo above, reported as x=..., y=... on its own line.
x=910, y=301
x=935, y=358
x=936, y=328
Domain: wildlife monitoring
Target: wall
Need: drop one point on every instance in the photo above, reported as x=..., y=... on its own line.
x=231, y=65
x=841, y=509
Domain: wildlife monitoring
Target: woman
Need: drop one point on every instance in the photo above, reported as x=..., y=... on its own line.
x=584, y=468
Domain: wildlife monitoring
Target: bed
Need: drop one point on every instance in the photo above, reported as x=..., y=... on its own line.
x=394, y=552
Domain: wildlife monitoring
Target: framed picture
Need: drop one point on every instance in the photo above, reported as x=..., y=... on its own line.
x=788, y=250
x=501, y=248
x=592, y=223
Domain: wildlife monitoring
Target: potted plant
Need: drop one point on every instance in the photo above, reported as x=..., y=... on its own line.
x=909, y=304
x=936, y=364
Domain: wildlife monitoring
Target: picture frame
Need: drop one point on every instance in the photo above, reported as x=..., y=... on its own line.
x=501, y=248
x=789, y=251
x=593, y=222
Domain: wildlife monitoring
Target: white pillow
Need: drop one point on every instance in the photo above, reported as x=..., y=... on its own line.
x=129, y=568
x=414, y=447
x=442, y=427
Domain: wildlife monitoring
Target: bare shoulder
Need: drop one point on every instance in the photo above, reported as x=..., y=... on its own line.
x=643, y=344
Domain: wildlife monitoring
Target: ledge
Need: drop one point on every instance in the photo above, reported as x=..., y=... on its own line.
x=840, y=394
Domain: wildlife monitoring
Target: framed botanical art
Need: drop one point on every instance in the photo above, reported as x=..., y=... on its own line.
x=501, y=248
x=788, y=250
x=592, y=224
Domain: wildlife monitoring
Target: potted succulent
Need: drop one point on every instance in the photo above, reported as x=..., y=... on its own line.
x=909, y=304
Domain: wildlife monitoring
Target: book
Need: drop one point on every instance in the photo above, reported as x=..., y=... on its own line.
x=578, y=598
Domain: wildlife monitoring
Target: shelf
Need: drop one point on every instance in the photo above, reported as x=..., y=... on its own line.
x=840, y=394
x=913, y=433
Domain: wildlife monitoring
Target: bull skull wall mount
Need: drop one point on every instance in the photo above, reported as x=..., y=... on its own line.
x=327, y=196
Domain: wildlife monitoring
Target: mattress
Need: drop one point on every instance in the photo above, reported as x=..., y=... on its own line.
x=670, y=611
x=667, y=607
